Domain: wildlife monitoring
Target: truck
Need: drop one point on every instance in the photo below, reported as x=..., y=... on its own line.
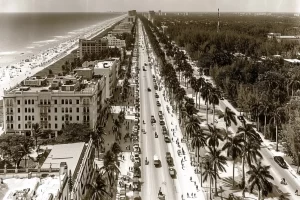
x=156, y=161
x=169, y=159
x=172, y=172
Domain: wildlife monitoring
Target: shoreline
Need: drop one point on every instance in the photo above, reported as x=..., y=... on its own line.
x=14, y=74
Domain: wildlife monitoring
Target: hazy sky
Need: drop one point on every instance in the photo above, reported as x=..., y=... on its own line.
x=145, y=5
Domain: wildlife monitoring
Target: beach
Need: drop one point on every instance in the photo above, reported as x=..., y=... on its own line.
x=13, y=73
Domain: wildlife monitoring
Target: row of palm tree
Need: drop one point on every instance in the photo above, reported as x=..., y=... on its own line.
x=244, y=145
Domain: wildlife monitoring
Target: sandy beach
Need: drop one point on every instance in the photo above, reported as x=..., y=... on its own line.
x=13, y=73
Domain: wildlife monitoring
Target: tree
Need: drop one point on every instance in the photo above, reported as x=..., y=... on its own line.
x=213, y=98
x=98, y=138
x=98, y=188
x=234, y=147
x=116, y=148
x=192, y=126
x=74, y=132
x=209, y=173
x=229, y=116
x=259, y=176
x=277, y=116
x=205, y=93
x=218, y=161
x=15, y=147
x=198, y=141
x=36, y=132
x=214, y=137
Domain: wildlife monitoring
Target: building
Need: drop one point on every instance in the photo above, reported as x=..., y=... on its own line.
x=159, y=13
x=151, y=15
x=114, y=42
x=291, y=62
x=92, y=46
x=65, y=162
x=131, y=13
x=109, y=69
x=53, y=102
x=123, y=27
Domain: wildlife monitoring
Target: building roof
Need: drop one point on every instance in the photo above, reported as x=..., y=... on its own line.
x=106, y=64
x=292, y=60
x=69, y=153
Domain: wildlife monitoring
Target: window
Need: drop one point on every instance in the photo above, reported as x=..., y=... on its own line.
x=55, y=110
x=49, y=125
x=49, y=102
x=63, y=118
x=45, y=101
x=70, y=110
x=19, y=118
x=32, y=110
x=66, y=101
x=70, y=118
x=62, y=101
x=70, y=101
x=62, y=126
x=49, y=110
x=19, y=110
x=19, y=126
x=55, y=125
x=41, y=102
x=88, y=109
x=26, y=110
x=77, y=101
x=49, y=118
x=32, y=101
x=55, y=118
x=55, y=101
x=18, y=102
x=77, y=118
x=77, y=109
x=25, y=101
x=62, y=110
x=29, y=118
x=29, y=110
x=32, y=118
x=25, y=117
x=25, y=126
x=66, y=110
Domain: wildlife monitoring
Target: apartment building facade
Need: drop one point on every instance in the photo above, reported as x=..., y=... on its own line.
x=114, y=42
x=92, y=46
x=53, y=103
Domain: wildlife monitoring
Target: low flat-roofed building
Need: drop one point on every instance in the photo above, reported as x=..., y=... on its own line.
x=64, y=99
x=114, y=42
x=50, y=182
x=86, y=72
x=123, y=27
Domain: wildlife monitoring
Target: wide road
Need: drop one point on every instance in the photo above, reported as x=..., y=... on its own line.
x=153, y=177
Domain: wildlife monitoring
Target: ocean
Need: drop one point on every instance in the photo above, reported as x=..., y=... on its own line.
x=25, y=34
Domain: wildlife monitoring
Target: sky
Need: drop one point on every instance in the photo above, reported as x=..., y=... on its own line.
x=145, y=5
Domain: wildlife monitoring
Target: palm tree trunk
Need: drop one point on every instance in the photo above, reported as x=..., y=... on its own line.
x=210, y=188
x=259, y=194
x=198, y=148
x=196, y=94
x=207, y=112
x=216, y=184
x=257, y=121
x=276, y=137
x=214, y=114
x=233, y=164
x=199, y=101
x=243, y=163
x=265, y=125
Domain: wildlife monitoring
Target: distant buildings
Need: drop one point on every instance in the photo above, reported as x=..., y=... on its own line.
x=125, y=26
x=151, y=16
x=131, y=13
x=159, y=13
x=114, y=42
x=280, y=38
x=65, y=163
x=92, y=46
x=54, y=102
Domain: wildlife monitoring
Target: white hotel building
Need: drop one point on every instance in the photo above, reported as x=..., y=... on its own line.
x=114, y=42
x=53, y=102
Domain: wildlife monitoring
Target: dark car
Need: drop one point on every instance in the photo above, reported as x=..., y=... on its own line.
x=149, y=90
x=158, y=104
x=144, y=69
x=162, y=122
x=153, y=119
x=280, y=161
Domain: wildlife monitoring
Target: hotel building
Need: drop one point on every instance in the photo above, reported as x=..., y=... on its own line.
x=92, y=46
x=53, y=102
x=109, y=69
x=115, y=42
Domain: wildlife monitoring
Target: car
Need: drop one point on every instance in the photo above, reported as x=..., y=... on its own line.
x=153, y=119
x=169, y=159
x=149, y=90
x=144, y=69
x=160, y=112
x=280, y=161
x=158, y=103
x=143, y=131
x=172, y=172
x=162, y=122
x=153, y=76
x=161, y=117
x=156, y=95
x=155, y=87
x=167, y=139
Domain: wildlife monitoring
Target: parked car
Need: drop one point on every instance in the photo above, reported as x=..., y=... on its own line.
x=160, y=112
x=167, y=139
x=153, y=119
x=158, y=103
x=149, y=90
x=172, y=172
x=156, y=95
x=280, y=161
x=169, y=159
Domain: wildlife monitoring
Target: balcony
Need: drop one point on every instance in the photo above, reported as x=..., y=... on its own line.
x=86, y=103
x=86, y=113
x=44, y=105
x=9, y=121
x=9, y=104
x=9, y=112
x=43, y=114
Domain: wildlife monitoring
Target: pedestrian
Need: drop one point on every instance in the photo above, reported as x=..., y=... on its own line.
x=197, y=187
x=187, y=194
x=190, y=178
x=296, y=192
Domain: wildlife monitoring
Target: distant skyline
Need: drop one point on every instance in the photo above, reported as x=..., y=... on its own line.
x=145, y=5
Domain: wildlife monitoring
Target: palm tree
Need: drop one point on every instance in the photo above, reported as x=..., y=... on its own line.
x=218, y=161
x=234, y=147
x=98, y=188
x=116, y=148
x=36, y=132
x=265, y=109
x=277, y=116
x=213, y=98
x=200, y=83
x=209, y=173
x=98, y=138
x=205, y=91
x=259, y=176
x=214, y=137
x=192, y=126
x=229, y=116
x=198, y=141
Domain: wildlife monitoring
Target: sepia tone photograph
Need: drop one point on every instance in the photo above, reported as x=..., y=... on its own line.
x=149, y=99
